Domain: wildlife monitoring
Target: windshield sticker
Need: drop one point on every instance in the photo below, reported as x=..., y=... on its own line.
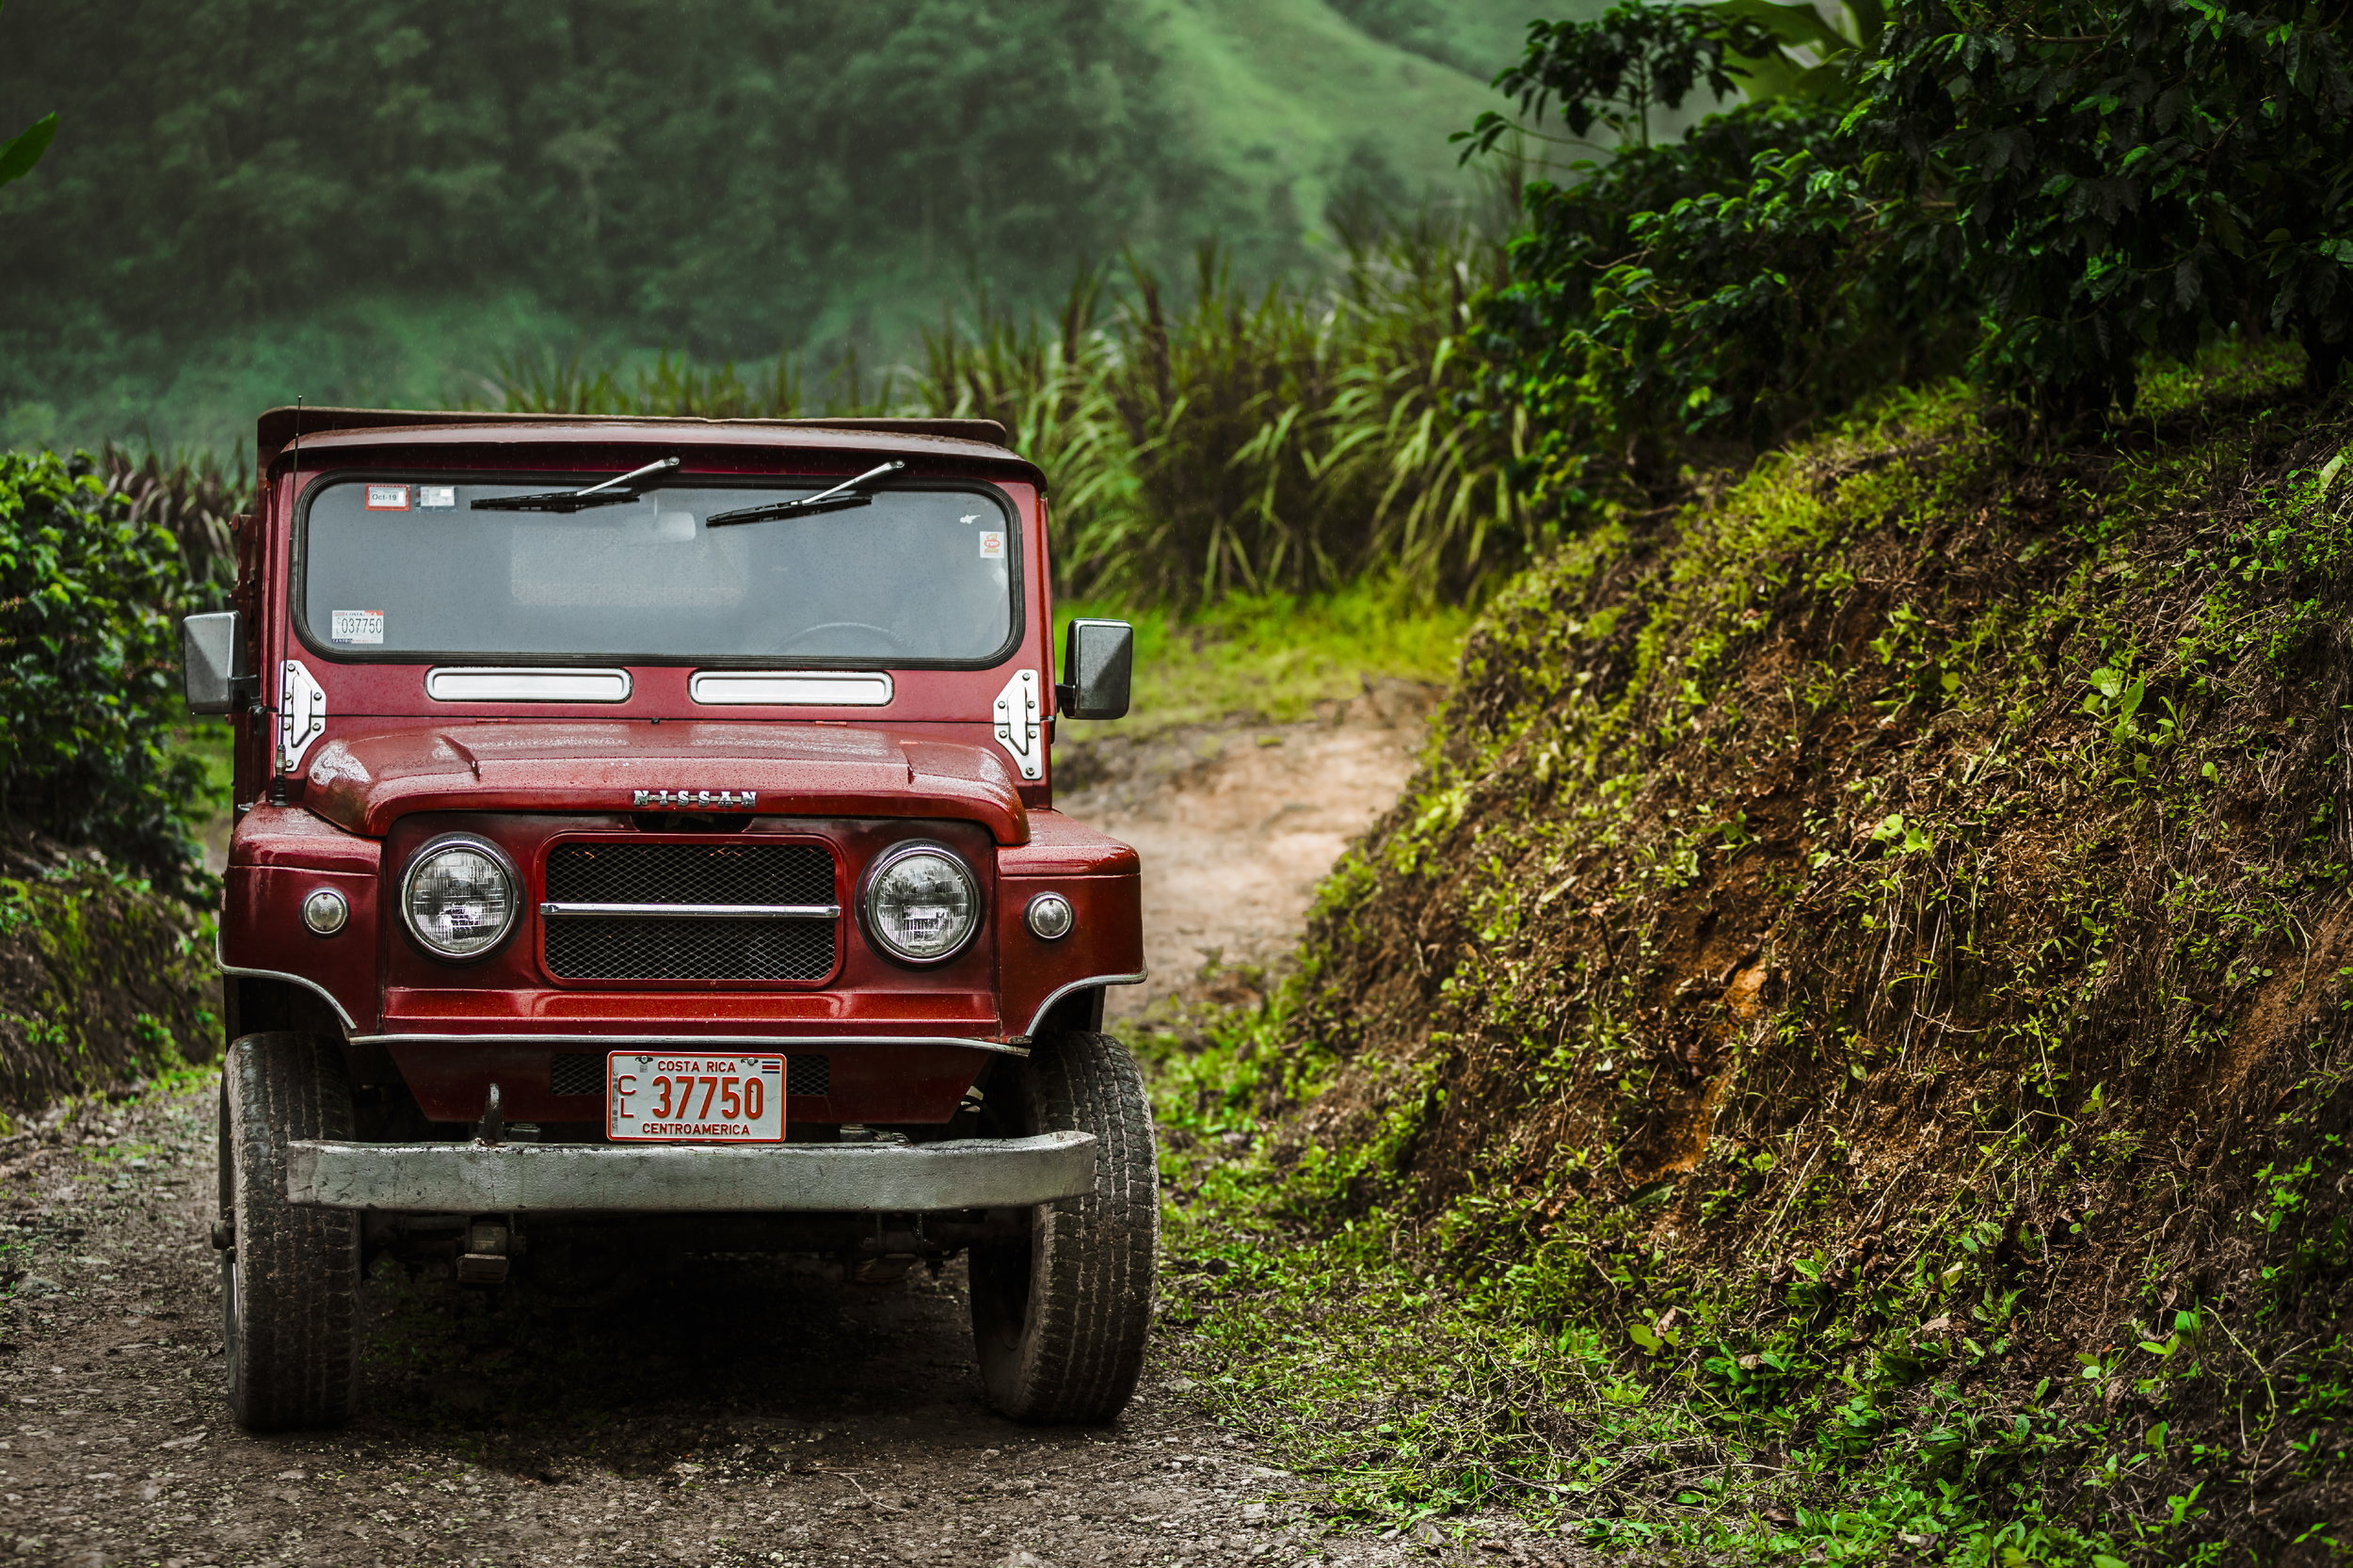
x=436, y=498
x=992, y=547
x=356, y=626
x=968, y=518
x=387, y=498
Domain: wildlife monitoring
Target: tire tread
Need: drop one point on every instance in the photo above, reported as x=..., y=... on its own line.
x=296, y=1360
x=1093, y=1257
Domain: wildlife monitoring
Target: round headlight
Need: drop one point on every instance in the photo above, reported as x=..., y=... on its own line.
x=458, y=898
x=921, y=903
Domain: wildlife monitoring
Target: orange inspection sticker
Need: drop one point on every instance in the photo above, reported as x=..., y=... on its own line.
x=387, y=498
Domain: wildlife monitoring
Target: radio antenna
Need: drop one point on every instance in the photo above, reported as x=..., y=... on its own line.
x=278, y=710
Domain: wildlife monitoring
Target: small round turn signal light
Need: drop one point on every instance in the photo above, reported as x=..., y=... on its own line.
x=325, y=912
x=1050, y=917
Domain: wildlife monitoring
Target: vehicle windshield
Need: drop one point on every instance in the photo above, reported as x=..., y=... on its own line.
x=408, y=569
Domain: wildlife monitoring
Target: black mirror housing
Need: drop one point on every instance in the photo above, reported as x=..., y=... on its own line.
x=1099, y=664
x=211, y=655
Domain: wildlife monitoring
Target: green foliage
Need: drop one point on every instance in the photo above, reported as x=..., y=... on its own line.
x=90, y=595
x=375, y=201
x=2045, y=195
x=2119, y=176
x=20, y=152
x=1618, y=71
x=192, y=497
x=1228, y=441
x=103, y=978
x=1725, y=283
x=1654, y=300
x=1831, y=1058
x=708, y=170
x=1274, y=659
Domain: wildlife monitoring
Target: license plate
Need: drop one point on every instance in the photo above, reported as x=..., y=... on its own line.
x=694, y=1095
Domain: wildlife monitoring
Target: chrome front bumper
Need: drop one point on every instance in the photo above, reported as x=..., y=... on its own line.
x=676, y=1178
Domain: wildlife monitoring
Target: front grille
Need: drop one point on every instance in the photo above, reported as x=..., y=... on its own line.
x=599, y=872
x=569, y=1073
x=652, y=947
x=656, y=947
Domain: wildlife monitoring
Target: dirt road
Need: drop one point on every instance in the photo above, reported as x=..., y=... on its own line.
x=1237, y=826
x=736, y=1411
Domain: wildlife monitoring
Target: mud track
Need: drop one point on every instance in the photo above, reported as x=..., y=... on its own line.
x=1236, y=825
x=730, y=1410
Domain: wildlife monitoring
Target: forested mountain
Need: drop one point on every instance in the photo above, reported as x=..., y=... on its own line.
x=252, y=197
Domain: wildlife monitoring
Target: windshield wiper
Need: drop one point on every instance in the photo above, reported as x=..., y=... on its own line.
x=607, y=492
x=841, y=497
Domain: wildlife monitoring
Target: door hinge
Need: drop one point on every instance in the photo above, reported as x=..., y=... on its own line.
x=301, y=713
x=1022, y=725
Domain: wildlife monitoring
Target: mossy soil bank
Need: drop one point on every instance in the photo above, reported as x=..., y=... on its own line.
x=104, y=979
x=1842, y=1053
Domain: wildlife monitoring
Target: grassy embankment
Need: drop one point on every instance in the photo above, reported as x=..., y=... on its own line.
x=1840, y=1053
x=1276, y=659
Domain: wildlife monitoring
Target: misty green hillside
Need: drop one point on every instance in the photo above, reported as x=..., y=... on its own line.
x=350, y=202
x=1310, y=114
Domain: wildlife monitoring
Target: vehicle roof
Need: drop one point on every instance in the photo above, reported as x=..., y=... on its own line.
x=340, y=429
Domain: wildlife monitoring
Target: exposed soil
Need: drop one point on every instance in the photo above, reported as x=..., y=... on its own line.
x=729, y=1411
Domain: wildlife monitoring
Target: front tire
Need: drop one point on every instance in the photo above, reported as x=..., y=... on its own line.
x=1060, y=1320
x=290, y=1275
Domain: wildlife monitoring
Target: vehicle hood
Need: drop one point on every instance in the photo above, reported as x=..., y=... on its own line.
x=363, y=782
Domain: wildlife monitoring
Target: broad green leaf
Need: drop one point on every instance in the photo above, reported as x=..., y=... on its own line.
x=18, y=157
x=1790, y=23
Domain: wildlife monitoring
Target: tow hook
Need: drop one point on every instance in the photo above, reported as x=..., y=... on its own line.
x=484, y=1260
x=491, y=1129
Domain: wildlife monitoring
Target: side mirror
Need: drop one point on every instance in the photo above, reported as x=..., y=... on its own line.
x=1100, y=659
x=212, y=650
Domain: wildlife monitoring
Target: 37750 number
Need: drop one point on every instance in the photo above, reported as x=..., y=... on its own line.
x=704, y=1097
x=737, y=1099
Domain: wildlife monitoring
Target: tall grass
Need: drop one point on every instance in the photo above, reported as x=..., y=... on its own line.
x=1204, y=442
x=193, y=497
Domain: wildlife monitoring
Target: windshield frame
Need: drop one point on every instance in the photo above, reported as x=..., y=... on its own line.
x=297, y=605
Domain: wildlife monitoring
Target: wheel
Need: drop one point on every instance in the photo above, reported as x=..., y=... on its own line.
x=289, y=1275
x=1060, y=1320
